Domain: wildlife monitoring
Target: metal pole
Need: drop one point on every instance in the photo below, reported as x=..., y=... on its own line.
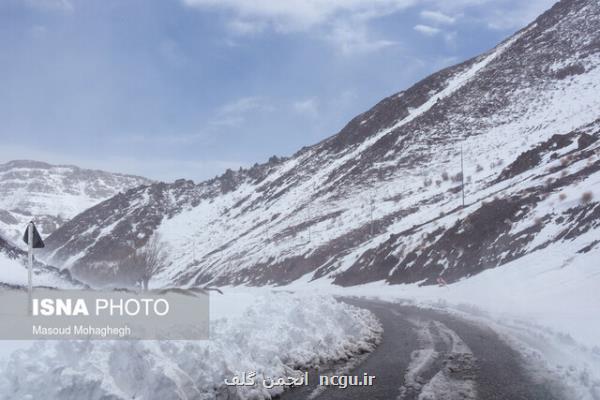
x=29, y=271
x=309, y=223
x=372, y=207
x=314, y=189
x=462, y=175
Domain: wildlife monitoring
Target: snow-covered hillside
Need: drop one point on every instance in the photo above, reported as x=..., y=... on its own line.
x=52, y=194
x=381, y=200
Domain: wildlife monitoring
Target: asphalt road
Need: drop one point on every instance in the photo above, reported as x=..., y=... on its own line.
x=429, y=355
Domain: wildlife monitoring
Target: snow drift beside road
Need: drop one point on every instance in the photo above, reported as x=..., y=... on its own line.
x=14, y=272
x=275, y=335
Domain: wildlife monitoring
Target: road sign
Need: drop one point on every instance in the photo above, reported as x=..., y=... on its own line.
x=38, y=243
x=34, y=241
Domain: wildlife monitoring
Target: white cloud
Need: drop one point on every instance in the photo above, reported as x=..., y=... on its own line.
x=59, y=5
x=287, y=15
x=496, y=14
x=427, y=30
x=164, y=139
x=437, y=17
x=232, y=114
x=235, y=112
x=355, y=39
x=245, y=104
x=343, y=23
x=246, y=27
x=307, y=107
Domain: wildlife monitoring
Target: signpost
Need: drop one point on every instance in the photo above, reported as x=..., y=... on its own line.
x=34, y=241
x=462, y=175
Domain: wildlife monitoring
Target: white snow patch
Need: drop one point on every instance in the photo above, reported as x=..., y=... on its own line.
x=273, y=334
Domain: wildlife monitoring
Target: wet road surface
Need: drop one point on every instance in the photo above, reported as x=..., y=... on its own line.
x=430, y=355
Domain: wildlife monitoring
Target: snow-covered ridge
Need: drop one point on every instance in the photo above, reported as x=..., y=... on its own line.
x=381, y=199
x=53, y=194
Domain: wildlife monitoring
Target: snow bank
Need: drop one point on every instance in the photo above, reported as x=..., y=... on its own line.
x=274, y=334
x=13, y=272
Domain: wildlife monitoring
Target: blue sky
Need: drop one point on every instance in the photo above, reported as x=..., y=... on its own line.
x=188, y=88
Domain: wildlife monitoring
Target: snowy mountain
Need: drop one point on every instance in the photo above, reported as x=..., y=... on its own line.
x=382, y=199
x=52, y=194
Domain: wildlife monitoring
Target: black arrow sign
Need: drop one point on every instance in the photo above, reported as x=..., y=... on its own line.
x=38, y=243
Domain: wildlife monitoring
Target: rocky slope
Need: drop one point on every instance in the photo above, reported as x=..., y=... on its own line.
x=382, y=199
x=52, y=194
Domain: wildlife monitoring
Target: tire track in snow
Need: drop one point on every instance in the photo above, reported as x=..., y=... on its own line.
x=442, y=368
x=455, y=380
x=422, y=361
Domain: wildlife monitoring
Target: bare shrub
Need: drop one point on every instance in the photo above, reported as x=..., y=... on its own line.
x=587, y=197
x=479, y=168
x=564, y=161
x=496, y=163
x=445, y=176
x=457, y=177
x=146, y=262
x=562, y=196
x=538, y=221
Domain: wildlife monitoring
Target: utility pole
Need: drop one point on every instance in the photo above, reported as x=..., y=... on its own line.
x=462, y=174
x=372, y=209
x=309, y=224
x=308, y=207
